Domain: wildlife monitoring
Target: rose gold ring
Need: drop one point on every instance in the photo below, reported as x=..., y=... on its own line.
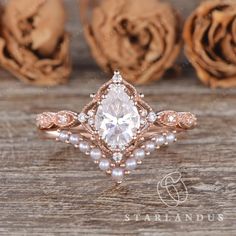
x=117, y=128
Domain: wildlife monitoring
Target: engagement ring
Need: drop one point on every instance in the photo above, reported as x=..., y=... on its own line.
x=117, y=128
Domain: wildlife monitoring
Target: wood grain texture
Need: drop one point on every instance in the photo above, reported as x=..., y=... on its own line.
x=50, y=188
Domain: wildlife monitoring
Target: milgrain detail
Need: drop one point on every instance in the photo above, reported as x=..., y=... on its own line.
x=60, y=119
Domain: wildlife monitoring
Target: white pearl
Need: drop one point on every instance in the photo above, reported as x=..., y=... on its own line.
x=95, y=154
x=139, y=154
x=74, y=139
x=150, y=146
x=170, y=138
x=84, y=146
x=159, y=140
x=117, y=174
x=131, y=164
x=104, y=164
x=63, y=136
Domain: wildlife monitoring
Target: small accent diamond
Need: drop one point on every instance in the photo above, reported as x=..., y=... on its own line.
x=82, y=117
x=90, y=121
x=152, y=117
x=62, y=119
x=142, y=121
x=117, y=77
x=144, y=113
x=117, y=156
x=90, y=113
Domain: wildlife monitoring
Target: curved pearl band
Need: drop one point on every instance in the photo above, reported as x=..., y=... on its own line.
x=117, y=128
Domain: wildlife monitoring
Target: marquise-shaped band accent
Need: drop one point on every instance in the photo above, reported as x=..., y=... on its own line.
x=185, y=120
x=60, y=119
x=45, y=120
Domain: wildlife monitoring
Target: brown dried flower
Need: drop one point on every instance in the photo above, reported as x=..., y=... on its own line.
x=33, y=44
x=140, y=38
x=210, y=38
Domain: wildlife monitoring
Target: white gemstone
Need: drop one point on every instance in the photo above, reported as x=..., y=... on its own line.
x=84, y=146
x=117, y=174
x=142, y=121
x=90, y=113
x=90, y=121
x=74, y=139
x=144, y=113
x=63, y=136
x=116, y=78
x=131, y=164
x=171, y=119
x=139, y=154
x=62, y=119
x=104, y=164
x=150, y=146
x=152, y=117
x=117, y=156
x=159, y=140
x=170, y=138
x=95, y=154
x=82, y=117
x=117, y=118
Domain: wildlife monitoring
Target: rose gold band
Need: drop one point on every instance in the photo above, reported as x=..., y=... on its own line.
x=51, y=122
x=117, y=128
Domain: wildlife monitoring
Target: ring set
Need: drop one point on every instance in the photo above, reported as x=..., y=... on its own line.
x=117, y=128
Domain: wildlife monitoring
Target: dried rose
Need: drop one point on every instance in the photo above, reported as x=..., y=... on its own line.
x=140, y=38
x=210, y=39
x=34, y=45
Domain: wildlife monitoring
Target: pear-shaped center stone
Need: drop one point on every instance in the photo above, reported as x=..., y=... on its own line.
x=117, y=118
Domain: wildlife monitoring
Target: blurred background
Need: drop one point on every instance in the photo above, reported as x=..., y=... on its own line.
x=80, y=52
x=143, y=40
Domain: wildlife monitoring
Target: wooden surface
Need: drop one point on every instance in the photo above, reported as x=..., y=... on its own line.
x=49, y=188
